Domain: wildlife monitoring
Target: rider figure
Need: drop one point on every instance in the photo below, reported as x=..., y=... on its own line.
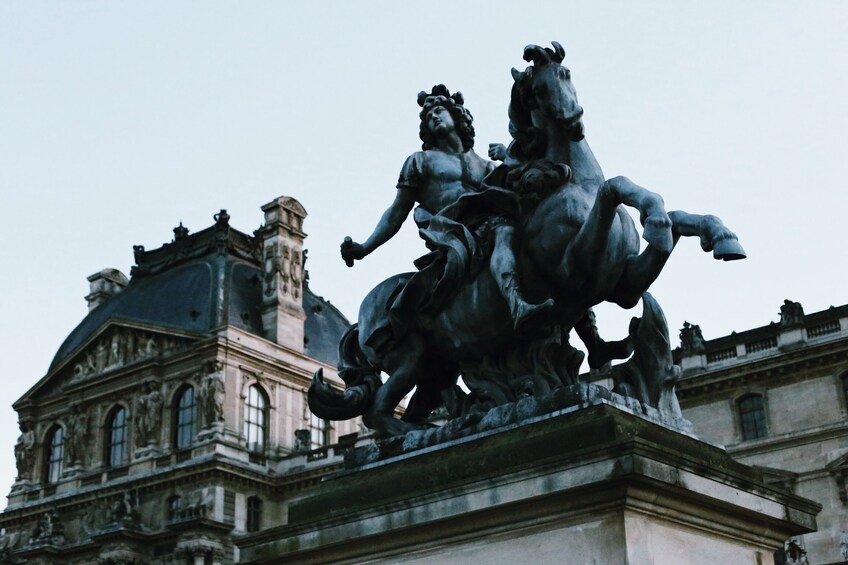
x=437, y=178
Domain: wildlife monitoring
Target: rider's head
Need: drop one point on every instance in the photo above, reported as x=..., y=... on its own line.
x=440, y=96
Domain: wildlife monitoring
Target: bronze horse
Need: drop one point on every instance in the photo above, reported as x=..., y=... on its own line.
x=585, y=250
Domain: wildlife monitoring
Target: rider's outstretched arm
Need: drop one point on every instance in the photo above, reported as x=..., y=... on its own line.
x=391, y=221
x=389, y=224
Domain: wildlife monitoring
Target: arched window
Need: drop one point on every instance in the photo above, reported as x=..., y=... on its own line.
x=186, y=418
x=752, y=416
x=254, y=514
x=54, y=454
x=116, y=437
x=256, y=418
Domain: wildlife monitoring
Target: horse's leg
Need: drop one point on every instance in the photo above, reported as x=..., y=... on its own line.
x=642, y=270
x=405, y=365
x=592, y=239
x=713, y=233
x=528, y=319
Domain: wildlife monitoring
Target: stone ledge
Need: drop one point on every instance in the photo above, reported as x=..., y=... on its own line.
x=597, y=464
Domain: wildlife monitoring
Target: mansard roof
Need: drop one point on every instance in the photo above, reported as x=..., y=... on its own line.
x=201, y=282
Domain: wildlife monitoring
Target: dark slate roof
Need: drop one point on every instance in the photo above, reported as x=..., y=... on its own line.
x=199, y=283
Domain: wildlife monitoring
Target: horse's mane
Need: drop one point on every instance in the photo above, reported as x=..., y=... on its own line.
x=527, y=144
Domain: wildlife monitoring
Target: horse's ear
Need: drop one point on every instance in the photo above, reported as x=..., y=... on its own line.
x=559, y=52
x=516, y=74
x=536, y=54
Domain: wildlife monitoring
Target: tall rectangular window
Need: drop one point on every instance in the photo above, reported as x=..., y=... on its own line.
x=319, y=431
x=254, y=514
x=255, y=418
x=117, y=438
x=54, y=455
x=186, y=418
x=752, y=416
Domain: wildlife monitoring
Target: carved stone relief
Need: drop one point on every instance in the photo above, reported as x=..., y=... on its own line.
x=122, y=346
x=302, y=441
x=25, y=451
x=212, y=393
x=48, y=529
x=76, y=435
x=8, y=542
x=148, y=415
x=283, y=270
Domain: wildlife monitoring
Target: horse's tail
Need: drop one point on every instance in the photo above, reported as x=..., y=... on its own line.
x=361, y=380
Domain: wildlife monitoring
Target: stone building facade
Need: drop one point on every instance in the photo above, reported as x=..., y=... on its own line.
x=776, y=397
x=173, y=419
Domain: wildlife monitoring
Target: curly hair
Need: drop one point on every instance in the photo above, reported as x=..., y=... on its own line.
x=462, y=118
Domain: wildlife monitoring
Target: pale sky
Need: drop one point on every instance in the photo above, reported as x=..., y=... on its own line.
x=118, y=120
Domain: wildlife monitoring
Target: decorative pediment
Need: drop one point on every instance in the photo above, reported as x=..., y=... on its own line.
x=114, y=347
x=119, y=346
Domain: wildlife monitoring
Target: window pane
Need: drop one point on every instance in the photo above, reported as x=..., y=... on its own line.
x=319, y=430
x=55, y=453
x=752, y=417
x=255, y=418
x=118, y=438
x=254, y=514
x=186, y=419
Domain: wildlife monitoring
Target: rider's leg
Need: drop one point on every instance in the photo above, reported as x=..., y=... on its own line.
x=528, y=319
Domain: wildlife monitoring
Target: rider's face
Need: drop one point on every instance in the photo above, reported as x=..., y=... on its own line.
x=440, y=121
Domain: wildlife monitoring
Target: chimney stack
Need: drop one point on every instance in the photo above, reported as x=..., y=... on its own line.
x=104, y=285
x=282, y=255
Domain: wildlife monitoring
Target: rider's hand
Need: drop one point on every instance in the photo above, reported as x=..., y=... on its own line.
x=352, y=251
x=497, y=151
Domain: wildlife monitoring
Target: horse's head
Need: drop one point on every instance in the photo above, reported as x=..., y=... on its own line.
x=543, y=100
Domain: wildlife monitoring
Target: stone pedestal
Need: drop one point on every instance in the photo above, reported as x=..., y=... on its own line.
x=592, y=485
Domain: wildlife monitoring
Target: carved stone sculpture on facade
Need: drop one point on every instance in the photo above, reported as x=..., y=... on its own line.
x=148, y=414
x=302, y=441
x=212, y=393
x=121, y=347
x=48, y=529
x=25, y=452
x=76, y=436
x=791, y=313
x=501, y=315
x=691, y=338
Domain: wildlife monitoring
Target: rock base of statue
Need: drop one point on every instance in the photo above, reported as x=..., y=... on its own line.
x=594, y=485
x=523, y=411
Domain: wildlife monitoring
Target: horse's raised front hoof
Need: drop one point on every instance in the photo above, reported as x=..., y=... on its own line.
x=728, y=249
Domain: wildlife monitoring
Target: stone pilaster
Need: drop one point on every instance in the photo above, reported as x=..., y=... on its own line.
x=282, y=253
